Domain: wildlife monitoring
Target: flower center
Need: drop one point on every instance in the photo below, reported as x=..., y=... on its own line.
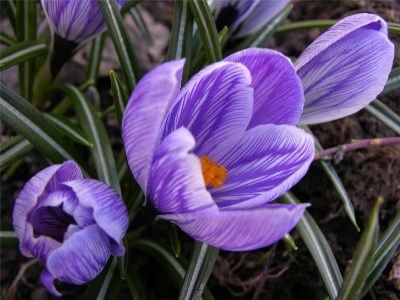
x=214, y=175
x=51, y=221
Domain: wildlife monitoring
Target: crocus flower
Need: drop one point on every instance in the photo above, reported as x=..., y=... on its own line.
x=71, y=224
x=345, y=68
x=244, y=17
x=212, y=154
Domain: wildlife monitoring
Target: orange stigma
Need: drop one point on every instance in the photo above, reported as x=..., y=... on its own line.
x=214, y=175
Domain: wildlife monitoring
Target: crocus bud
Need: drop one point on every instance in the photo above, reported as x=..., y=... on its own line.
x=71, y=224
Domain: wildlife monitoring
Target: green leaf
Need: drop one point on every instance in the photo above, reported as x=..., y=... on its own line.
x=260, y=38
x=208, y=31
x=26, y=31
x=133, y=279
x=200, y=267
x=393, y=82
x=136, y=15
x=319, y=249
x=288, y=240
x=362, y=259
x=96, y=132
x=29, y=122
x=128, y=5
x=335, y=180
x=14, y=153
x=174, y=239
x=5, y=39
x=122, y=42
x=387, y=245
x=322, y=24
x=120, y=96
x=21, y=52
x=65, y=127
x=8, y=239
x=11, y=12
x=176, y=41
x=92, y=71
x=385, y=115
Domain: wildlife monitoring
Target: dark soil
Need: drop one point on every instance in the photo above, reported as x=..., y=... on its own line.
x=366, y=174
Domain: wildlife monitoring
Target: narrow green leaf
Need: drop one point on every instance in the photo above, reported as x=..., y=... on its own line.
x=288, y=240
x=128, y=5
x=174, y=239
x=208, y=31
x=122, y=42
x=393, y=82
x=13, y=154
x=388, y=118
x=135, y=285
x=8, y=239
x=260, y=38
x=11, y=142
x=136, y=15
x=96, y=132
x=26, y=31
x=387, y=245
x=65, y=127
x=322, y=24
x=176, y=43
x=335, y=180
x=21, y=52
x=6, y=40
x=319, y=249
x=120, y=96
x=29, y=122
x=11, y=12
x=362, y=259
x=200, y=267
x=92, y=71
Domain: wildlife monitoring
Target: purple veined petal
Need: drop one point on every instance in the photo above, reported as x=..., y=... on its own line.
x=215, y=106
x=266, y=163
x=231, y=13
x=345, y=68
x=109, y=211
x=75, y=20
x=240, y=230
x=260, y=15
x=144, y=114
x=176, y=182
x=278, y=92
x=80, y=259
x=48, y=281
x=37, y=188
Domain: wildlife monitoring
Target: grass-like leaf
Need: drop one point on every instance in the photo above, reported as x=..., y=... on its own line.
x=176, y=43
x=6, y=40
x=385, y=115
x=174, y=239
x=393, y=82
x=11, y=12
x=141, y=24
x=29, y=122
x=387, y=245
x=92, y=71
x=14, y=153
x=362, y=259
x=319, y=249
x=120, y=96
x=135, y=284
x=21, y=52
x=122, y=42
x=208, y=30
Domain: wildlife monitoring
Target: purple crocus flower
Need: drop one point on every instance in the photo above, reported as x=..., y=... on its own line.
x=244, y=17
x=71, y=224
x=345, y=68
x=76, y=21
x=212, y=154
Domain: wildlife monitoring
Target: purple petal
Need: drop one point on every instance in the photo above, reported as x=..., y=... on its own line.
x=75, y=20
x=278, y=92
x=260, y=15
x=266, y=163
x=345, y=68
x=240, y=230
x=215, y=106
x=231, y=13
x=81, y=258
x=109, y=211
x=37, y=189
x=144, y=114
x=176, y=182
x=48, y=281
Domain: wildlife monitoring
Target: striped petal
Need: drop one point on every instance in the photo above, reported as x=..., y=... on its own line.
x=215, y=106
x=278, y=92
x=266, y=163
x=240, y=230
x=345, y=68
x=176, y=182
x=36, y=190
x=144, y=114
x=109, y=211
x=231, y=13
x=79, y=259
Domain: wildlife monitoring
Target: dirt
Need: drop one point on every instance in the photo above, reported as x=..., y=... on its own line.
x=366, y=174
